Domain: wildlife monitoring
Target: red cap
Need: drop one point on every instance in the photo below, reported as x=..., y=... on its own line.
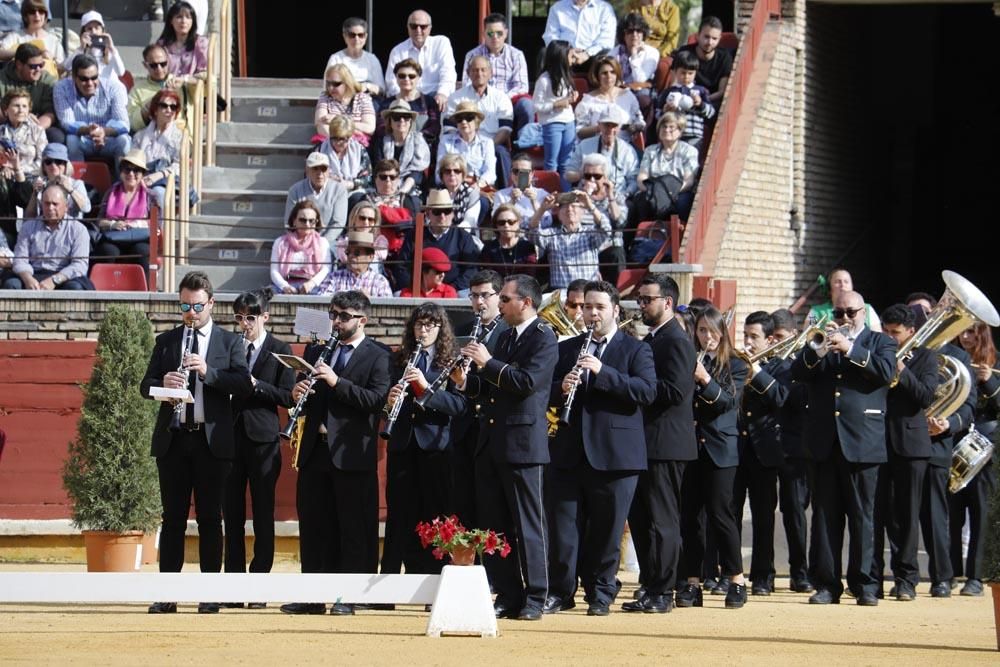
x=435, y=258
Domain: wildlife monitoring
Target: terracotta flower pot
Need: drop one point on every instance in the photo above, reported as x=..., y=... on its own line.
x=150, y=555
x=112, y=552
x=996, y=610
x=463, y=556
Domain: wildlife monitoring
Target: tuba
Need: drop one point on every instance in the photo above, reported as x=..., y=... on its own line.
x=552, y=311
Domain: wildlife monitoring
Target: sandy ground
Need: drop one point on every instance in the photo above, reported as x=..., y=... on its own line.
x=780, y=629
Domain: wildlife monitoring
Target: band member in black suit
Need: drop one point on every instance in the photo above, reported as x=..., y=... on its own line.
x=974, y=499
x=848, y=379
x=513, y=389
x=337, y=493
x=484, y=295
x=655, y=516
x=761, y=454
x=418, y=470
x=597, y=456
x=795, y=473
x=257, y=463
x=708, y=482
x=573, y=301
x=899, y=492
x=197, y=456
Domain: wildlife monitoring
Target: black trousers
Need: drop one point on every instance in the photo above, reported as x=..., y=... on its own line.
x=760, y=482
x=587, y=512
x=338, y=516
x=418, y=488
x=934, y=523
x=974, y=499
x=655, y=522
x=898, y=495
x=189, y=467
x=258, y=466
x=845, y=493
x=463, y=477
x=706, y=485
x=794, y=495
x=510, y=500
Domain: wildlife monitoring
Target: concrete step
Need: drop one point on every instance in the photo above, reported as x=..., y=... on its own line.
x=244, y=203
x=237, y=251
x=250, y=179
x=235, y=227
x=129, y=33
x=270, y=110
x=227, y=277
x=265, y=133
x=277, y=89
x=233, y=155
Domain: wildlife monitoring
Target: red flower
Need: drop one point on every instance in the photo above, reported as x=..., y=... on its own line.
x=447, y=534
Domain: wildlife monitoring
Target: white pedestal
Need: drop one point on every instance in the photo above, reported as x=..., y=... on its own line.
x=463, y=605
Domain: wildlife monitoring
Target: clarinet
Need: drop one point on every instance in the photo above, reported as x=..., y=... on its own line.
x=568, y=406
x=293, y=415
x=392, y=411
x=180, y=406
x=479, y=333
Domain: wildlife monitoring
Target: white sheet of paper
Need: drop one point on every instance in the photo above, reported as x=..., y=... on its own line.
x=166, y=394
x=312, y=323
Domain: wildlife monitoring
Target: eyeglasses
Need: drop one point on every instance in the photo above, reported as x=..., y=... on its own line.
x=441, y=211
x=48, y=162
x=35, y=66
x=249, y=319
x=495, y=33
x=196, y=307
x=31, y=12
x=507, y=299
x=334, y=84
x=646, y=300
x=839, y=313
x=593, y=177
x=166, y=106
x=156, y=65
x=307, y=221
x=131, y=169
x=670, y=128
x=634, y=30
x=507, y=221
x=86, y=79
x=480, y=296
x=520, y=171
x=466, y=118
x=426, y=326
x=343, y=315
x=386, y=177
x=400, y=119
x=355, y=35
x=400, y=75
x=366, y=218
x=420, y=26
x=452, y=171
x=339, y=140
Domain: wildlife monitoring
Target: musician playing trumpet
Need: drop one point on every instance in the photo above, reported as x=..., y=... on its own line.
x=418, y=473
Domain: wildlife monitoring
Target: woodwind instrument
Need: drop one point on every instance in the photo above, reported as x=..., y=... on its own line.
x=568, y=405
x=187, y=342
x=296, y=420
x=479, y=332
x=392, y=410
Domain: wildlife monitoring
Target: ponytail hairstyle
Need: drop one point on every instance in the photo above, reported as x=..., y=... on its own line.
x=253, y=302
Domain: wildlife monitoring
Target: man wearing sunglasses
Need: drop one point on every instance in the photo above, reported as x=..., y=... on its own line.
x=508, y=67
x=158, y=77
x=92, y=112
x=27, y=70
x=195, y=458
x=337, y=495
x=847, y=379
x=433, y=52
x=441, y=233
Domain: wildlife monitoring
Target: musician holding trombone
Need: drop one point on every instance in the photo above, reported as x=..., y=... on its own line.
x=418, y=470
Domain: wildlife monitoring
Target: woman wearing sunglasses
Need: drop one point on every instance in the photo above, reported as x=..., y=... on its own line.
x=56, y=168
x=350, y=164
x=402, y=142
x=300, y=260
x=161, y=142
x=471, y=207
x=35, y=16
x=364, y=217
x=365, y=67
x=480, y=156
x=124, y=218
x=343, y=96
x=509, y=252
x=428, y=121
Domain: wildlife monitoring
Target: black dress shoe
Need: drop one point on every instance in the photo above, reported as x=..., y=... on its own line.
x=689, y=596
x=867, y=599
x=232, y=605
x=737, y=596
x=953, y=583
x=905, y=592
x=162, y=608
x=503, y=611
x=721, y=588
x=554, y=604
x=941, y=590
x=303, y=608
x=639, y=593
x=892, y=591
x=972, y=587
x=530, y=614
x=651, y=604
x=598, y=609
x=823, y=596
x=762, y=588
x=256, y=605
x=709, y=585
x=341, y=609
x=801, y=586
x=208, y=607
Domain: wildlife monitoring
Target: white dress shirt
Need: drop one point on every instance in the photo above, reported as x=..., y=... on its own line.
x=591, y=27
x=494, y=104
x=437, y=61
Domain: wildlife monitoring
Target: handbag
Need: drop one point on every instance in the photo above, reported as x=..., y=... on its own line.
x=134, y=235
x=661, y=195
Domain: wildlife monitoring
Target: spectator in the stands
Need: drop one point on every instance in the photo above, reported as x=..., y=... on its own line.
x=494, y=104
x=124, y=217
x=161, y=143
x=637, y=59
x=34, y=18
x=349, y=161
x=357, y=274
x=27, y=71
x=610, y=202
x=100, y=45
x=365, y=67
x=432, y=52
x=587, y=25
x=15, y=191
x=470, y=207
x=401, y=141
x=22, y=131
x=329, y=196
x=622, y=159
x=10, y=17
x=554, y=96
x=407, y=75
x=57, y=170
x=92, y=112
x=364, y=217
x=52, y=252
x=570, y=251
x=715, y=64
x=397, y=209
x=441, y=233
x=187, y=51
x=300, y=259
x=509, y=252
x=605, y=77
x=343, y=96
x=434, y=267
x=508, y=68
x=664, y=20
x=522, y=192
x=477, y=150
x=154, y=58
x=668, y=157
x=686, y=97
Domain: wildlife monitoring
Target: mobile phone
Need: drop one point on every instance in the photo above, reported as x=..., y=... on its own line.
x=98, y=42
x=523, y=180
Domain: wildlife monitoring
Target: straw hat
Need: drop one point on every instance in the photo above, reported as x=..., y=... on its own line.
x=438, y=199
x=467, y=107
x=360, y=240
x=398, y=108
x=136, y=157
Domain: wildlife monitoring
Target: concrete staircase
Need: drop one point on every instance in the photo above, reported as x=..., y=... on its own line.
x=260, y=154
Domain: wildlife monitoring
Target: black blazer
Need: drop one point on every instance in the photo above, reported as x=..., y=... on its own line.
x=513, y=390
x=350, y=410
x=792, y=418
x=669, y=419
x=460, y=425
x=905, y=422
x=606, y=424
x=959, y=421
x=760, y=412
x=457, y=243
x=847, y=397
x=716, y=408
x=428, y=425
x=258, y=414
x=227, y=376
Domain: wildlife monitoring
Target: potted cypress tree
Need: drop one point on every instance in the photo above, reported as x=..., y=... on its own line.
x=109, y=475
x=991, y=566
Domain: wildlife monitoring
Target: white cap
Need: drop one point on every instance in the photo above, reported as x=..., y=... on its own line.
x=317, y=159
x=613, y=114
x=90, y=17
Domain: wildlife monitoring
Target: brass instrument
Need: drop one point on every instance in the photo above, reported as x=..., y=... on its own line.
x=187, y=342
x=786, y=348
x=296, y=420
x=820, y=338
x=971, y=455
x=479, y=333
x=568, y=405
x=553, y=312
x=392, y=410
x=628, y=324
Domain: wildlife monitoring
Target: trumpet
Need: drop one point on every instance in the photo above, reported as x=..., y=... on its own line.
x=568, y=405
x=392, y=410
x=296, y=420
x=187, y=345
x=819, y=339
x=479, y=333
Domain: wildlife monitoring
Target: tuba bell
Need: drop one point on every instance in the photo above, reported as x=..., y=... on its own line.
x=553, y=312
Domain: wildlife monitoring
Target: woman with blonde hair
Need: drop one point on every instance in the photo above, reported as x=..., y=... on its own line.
x=344, y=96
x=349, y=161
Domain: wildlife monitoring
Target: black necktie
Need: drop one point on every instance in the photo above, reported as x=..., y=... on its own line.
x=338, y=365
x=511, y=342
x=249, y=353
x=649, y=338
x=192, y=382
x=596, y=352
x=422, y=361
